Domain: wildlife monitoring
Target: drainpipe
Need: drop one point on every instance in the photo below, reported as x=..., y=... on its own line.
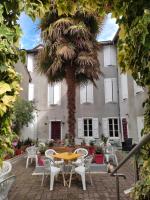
x=118, y=91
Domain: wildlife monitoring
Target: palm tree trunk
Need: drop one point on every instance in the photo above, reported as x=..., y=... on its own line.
x=71, y=94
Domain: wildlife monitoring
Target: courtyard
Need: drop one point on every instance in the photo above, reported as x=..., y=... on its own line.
x=28, y=186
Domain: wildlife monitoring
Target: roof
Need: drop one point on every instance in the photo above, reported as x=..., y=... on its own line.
x=35, y=49
x=111, y=42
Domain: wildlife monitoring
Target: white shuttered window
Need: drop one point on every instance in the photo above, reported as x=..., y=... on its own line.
x=31, y=92
x=124, y=86
x=88, y=127
x=140, y=125
x=109, y=56
x=110, y=127
x=86, y=93
x=54, y=94
x=30, y=62
x=110, y=87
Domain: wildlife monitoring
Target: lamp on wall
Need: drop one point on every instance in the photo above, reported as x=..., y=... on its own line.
x=63, y=123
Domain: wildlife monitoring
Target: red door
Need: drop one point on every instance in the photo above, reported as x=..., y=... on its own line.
x=124, y=128
x=55, y=130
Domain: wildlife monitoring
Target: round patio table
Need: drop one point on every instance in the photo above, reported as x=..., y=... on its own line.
x=67, y=157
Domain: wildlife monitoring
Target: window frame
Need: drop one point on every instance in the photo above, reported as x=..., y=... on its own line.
x=88, y=126
x=113, y=124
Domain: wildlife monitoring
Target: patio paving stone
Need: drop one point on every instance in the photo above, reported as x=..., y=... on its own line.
x=28, y=187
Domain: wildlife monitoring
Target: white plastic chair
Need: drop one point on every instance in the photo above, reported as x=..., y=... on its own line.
x=81, y=170
x=110, y=154
x=31, y=154
x=5, y=186
x=5, y=169
x=83, y=152
x=49, y=153
x=50, y=169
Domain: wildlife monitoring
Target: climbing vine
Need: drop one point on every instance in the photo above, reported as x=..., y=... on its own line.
x=9, y=79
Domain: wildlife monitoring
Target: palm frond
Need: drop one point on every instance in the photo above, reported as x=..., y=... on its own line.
x=78, y=31
x=63, y=23
x=43, y=60
x=82, y=44
x=86, y=59
x=66, y=51
x=54, y=67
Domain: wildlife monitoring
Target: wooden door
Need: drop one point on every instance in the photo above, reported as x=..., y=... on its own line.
x=56, y=130
x=125, y=128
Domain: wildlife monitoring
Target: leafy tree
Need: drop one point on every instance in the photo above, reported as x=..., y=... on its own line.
x=23, y=114
x=70, y=52
x=9, y=79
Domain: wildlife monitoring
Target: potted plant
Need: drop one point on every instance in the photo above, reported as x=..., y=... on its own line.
x=99, y=155
x=18, y=149
x=91, y=147
x=42, y=148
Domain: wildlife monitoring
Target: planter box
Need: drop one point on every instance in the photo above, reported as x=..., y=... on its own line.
x=99, y=158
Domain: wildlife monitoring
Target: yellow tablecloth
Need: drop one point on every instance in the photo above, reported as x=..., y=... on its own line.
x=67, y=156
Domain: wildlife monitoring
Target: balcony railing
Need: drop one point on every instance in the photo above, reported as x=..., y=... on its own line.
x=134, y=151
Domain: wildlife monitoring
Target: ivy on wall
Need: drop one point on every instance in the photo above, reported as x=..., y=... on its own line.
x=9, y=79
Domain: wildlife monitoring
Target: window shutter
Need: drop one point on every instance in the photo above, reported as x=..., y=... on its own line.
x=82, y=94
x=80, y=128
x=89, y=93
x=137, y=88
x=105, y=126
x=115, y=92
x=112, y=55
x=31, y=92
x=57, y=93
x=108, y=90
x=30, y=62
x=106, y=56
x=95, y=128
x=124, y=86
x=140, y=125
x=50, y=94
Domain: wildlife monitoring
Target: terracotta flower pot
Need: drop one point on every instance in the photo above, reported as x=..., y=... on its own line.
x=18, y=151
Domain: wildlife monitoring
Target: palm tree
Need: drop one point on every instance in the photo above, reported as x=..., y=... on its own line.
x=70, y=53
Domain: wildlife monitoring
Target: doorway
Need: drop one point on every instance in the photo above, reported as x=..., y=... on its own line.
x=125, y=128
x=55, y=130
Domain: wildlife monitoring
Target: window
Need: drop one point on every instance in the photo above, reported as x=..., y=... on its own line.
x=54, y=94
x=140, y=125
x=124, y=86
x=110, y=87
x=110, y=127
x=31, y=92
x=88, y=127
x=109, y=55
x=113, y=127
x=86, y=93
x=137, y=88
x=30, y=59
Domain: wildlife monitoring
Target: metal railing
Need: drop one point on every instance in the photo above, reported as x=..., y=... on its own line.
x=135, y=150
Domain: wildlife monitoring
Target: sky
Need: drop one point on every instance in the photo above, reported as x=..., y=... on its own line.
x=31, y=34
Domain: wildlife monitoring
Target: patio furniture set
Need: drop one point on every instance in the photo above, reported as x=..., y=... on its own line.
x=66, y=163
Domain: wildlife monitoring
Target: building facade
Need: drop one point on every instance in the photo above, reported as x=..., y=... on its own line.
x=107, y=109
